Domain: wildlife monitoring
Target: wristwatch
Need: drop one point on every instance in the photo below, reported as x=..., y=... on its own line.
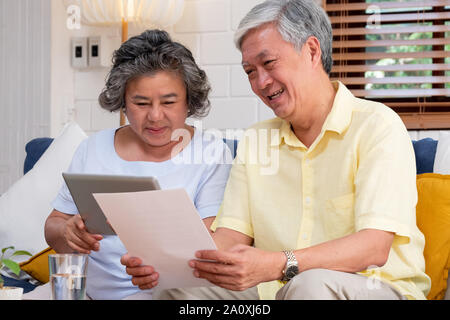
x=291, y=269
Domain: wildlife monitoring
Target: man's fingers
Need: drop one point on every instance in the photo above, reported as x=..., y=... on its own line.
x=214, y=278
x=212, y=267
x=216, y=255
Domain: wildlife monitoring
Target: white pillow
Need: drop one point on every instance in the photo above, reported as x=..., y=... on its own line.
x=442, y=158
x=26, y=204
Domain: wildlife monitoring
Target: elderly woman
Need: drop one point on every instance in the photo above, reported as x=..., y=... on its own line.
x=158, y=85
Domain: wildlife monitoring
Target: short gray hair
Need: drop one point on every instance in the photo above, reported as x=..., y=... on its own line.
x=148, y=53
x=296, y=21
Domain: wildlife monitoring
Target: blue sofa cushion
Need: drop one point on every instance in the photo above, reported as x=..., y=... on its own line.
x=10, y=282
x=35, y=148
x=232, y=144
x=425, y=151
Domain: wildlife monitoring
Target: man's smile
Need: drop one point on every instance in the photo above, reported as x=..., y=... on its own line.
x=276, y=94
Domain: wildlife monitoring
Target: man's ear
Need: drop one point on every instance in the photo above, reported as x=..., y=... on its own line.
x=312, y=44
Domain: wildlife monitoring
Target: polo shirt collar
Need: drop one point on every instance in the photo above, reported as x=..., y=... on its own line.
x=338, y=120
x=340, y=116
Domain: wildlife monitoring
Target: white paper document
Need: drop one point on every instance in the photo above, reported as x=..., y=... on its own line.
x=163, y=228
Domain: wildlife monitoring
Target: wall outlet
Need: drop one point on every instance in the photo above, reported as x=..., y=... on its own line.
x=95, y=51
x=101, y=49
x=79, y=53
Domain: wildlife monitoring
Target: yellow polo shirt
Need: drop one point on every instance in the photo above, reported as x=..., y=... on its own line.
x=359, y=173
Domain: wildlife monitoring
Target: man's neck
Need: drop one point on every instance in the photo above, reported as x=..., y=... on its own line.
x=308, y=127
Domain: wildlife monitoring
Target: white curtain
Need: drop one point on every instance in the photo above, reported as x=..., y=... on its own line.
x=162, y=13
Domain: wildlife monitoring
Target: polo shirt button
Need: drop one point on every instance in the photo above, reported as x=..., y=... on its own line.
x=304, y=236
x=308, y=200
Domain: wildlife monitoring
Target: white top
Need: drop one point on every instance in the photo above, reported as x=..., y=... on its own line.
x=202, y=169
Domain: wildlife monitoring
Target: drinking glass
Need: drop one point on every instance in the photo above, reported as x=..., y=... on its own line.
x=68, y=276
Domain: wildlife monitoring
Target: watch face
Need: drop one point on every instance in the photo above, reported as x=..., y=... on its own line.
x=291, y=272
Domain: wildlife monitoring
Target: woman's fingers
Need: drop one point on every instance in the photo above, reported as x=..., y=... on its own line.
x=78, y=238
x=141, y=271
x=147, y=281
x=145, y=277
x=78, y=248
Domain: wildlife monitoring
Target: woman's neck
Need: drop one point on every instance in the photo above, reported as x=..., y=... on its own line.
x=131, y=148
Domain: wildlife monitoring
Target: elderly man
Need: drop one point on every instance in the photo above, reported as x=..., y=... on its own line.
x=337, y=218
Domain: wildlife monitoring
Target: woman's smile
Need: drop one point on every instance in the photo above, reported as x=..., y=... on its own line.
x=157, y=130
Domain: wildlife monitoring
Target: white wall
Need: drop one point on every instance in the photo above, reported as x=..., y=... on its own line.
x=206, y=28
x=41, y=92
x=62, y=76
x=24, y=81
x=75, y=91
x=422, y=134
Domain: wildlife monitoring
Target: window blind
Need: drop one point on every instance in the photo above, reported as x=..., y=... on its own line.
x=396, y=52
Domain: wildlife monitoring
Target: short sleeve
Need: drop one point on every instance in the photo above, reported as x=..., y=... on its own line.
x=63, y=201
x=385, y=182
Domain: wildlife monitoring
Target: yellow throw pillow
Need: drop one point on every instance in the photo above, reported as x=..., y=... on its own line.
x=37, y=265
x=433, y=219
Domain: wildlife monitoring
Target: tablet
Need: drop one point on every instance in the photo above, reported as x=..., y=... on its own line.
x=82, y=186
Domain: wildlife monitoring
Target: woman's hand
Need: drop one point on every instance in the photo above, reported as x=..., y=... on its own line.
x=78, y=238
x=145, y=277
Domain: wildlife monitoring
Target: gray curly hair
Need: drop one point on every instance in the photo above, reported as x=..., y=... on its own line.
x=296, y=21
x=146, y=54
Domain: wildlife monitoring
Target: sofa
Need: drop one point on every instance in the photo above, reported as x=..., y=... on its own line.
x=433, y=211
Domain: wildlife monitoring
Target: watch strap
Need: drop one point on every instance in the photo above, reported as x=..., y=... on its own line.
x=291, y=264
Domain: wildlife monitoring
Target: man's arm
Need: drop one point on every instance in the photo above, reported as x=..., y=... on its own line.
x=352, y=253
x=238, y=266
x=226, y=238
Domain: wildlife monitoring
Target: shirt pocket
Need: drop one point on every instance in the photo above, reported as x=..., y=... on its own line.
x=339, y=217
